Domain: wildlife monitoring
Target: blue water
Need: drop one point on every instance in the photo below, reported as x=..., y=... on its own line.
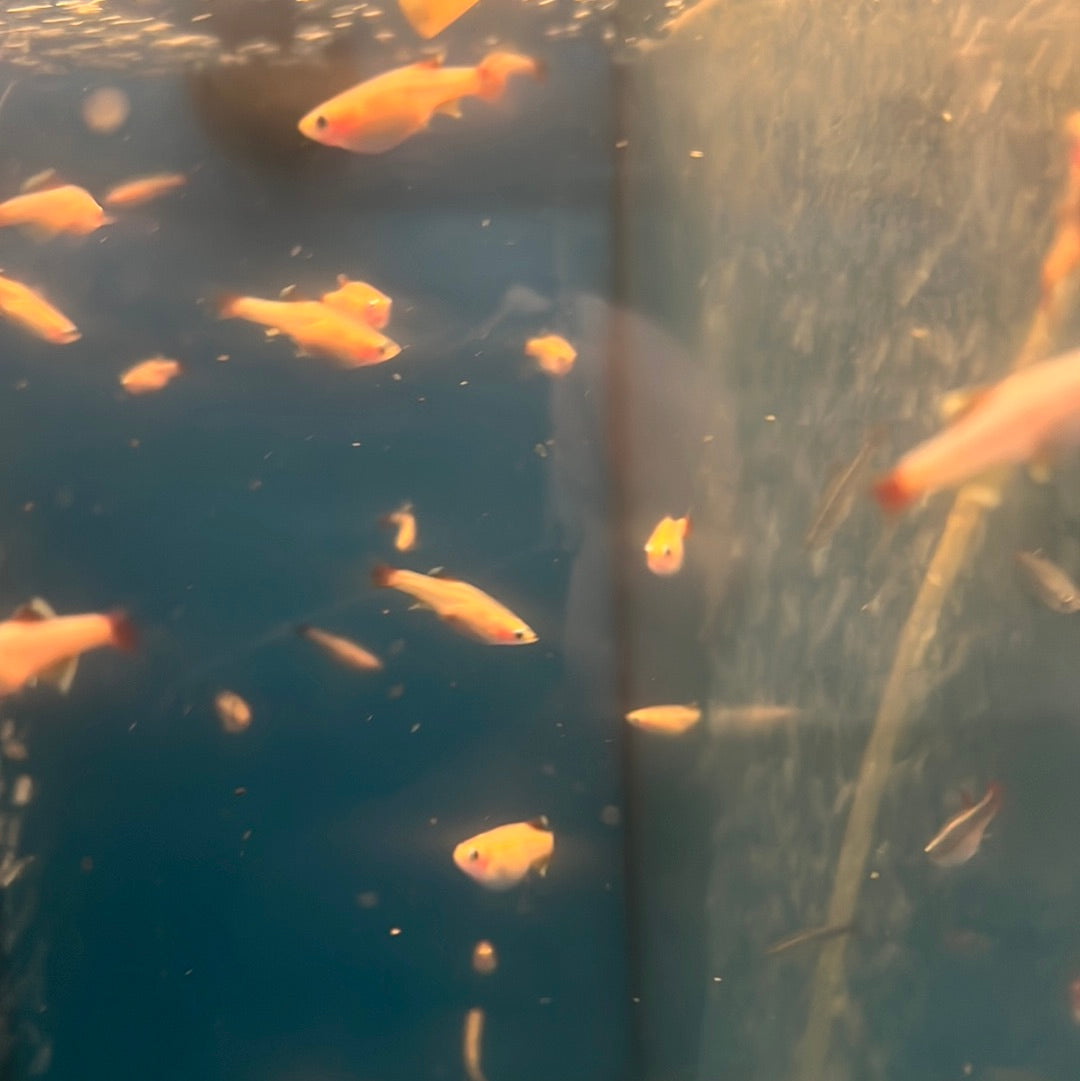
x=192, y=932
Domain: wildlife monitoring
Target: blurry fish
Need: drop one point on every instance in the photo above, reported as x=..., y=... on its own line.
x=518, y=300
x=664, y=548
x=37, y=644
x=467, y=609
x=839, y=495
x=1074, y=1000
x=1030, y=415
x=143, y=189
x=501, y=858
x=553, y=354
x=484, y=958
x=383, y=112
x=961, y=836
x=404, y=521
x=38, y=180
x=316, y=328
x=665, y=720
x=431, y=17
x=722, y=718
x=813, y=934
x=46, y=213
x=361, y=301
x=150, y=375
x=341, y=649
x=1049, y=583
x=20, y=304
x=11, y=869
x=233, y=712
x=472, y=1041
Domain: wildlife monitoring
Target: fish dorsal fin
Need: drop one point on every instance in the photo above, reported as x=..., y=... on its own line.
x=540, y=822
x=430, y=62
x=957, y=404
x=43, y=181
x=33, y=611
x=686, y=525
x=343, y=280
x=450, y=108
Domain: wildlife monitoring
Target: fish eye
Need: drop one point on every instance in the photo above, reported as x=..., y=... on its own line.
x=667, y=550
x=474, y=855
x=519, y=634
x=321, y=122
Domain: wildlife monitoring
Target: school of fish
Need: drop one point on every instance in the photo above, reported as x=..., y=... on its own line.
x=1029, y=417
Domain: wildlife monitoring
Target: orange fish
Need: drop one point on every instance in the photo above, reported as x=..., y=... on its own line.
x=233, y=712
x=150, y=375
x=470, y=611
x=34, y=313
x=37, y=644
x=143, y=189
x=341, y=649
x=664, y=548
x=404, y=521
x=361, y=301
x=1031, y=413
x=553, y=354
x=316, y=328
x=383, y=112
x=961, y=836
x=665, y=720
x=431, y=17
x=48, y=212
x=501, y=858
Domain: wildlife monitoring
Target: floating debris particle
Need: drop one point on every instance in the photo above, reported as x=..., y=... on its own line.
x=233, y=712
x=484, y=958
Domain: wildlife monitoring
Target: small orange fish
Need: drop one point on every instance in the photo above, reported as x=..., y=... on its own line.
x=553, y=354
x=50, y=211
x=503, y=857
x=37, y=644
x=470, y=611
x=383, y=112
x=20, y=304
x=431, y=17
x=404, y=521
x=341, y=649
x=150, y=375
x=1032, y=412
x=664, y=548
x=961, y=836
x=665, y=720
x=1074, y=1000
x=316, y=328
x=233, y=712
x=361, y=301
x=143, y=189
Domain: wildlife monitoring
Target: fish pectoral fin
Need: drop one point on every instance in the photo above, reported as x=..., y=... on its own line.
x=419, y=606
x=542, y=866
x=61, y=675
x=450, y=108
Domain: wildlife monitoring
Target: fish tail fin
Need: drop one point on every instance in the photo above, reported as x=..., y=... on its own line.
x=892, y=494
x=493, y=74
x=996, y=791
x=381, y=575
x=301, y=630
x=225, y=305
x=124, y=634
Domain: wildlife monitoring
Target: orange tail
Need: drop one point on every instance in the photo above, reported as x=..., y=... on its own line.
x=496, y=68
x=124, y=634
x=380, y=575
x=892, y=494
x=225, y=305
